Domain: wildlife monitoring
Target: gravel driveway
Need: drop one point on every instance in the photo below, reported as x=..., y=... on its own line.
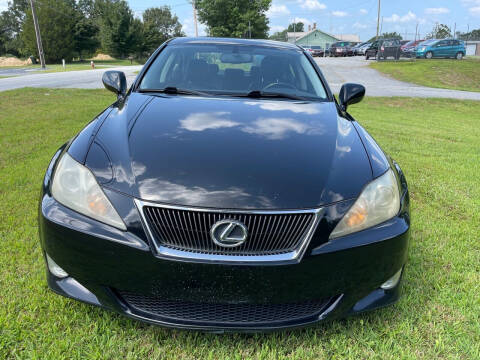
x=355, y=69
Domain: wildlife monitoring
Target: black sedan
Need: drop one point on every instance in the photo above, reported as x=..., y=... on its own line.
x=226, y=190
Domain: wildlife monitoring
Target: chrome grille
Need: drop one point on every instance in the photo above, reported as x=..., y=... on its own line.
x=269, y=233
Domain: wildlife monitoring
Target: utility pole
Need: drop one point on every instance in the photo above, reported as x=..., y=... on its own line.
x=416, y=32
x=195, y=18
x=37, y=33
x=378, y=19
x=249, y=30
x=294, y=32
x=455, y=31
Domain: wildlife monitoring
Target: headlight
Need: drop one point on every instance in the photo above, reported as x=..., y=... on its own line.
x=75, y=187
x=422, y=49
x=378, y=202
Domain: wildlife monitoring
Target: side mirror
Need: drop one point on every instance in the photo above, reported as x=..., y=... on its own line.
x=116, y=82
x=350, y=94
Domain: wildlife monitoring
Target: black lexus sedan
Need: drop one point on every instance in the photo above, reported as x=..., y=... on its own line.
x=226, y=190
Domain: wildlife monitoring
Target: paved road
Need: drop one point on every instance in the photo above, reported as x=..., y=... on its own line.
x=85, y=79
x=337, y=71
x=355, y=69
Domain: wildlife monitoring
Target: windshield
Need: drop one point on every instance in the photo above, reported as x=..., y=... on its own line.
x=428, y=42
x=234, y=69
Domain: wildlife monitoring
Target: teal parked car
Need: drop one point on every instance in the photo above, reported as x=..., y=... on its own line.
x=446, y=48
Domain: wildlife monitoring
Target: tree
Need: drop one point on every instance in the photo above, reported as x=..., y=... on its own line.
x=473, y=35
x=56, y=19
x=388, y=35
x=159, y=25
x=11, y=22
x=440, y=31
x=279, y=36
x=296, y=27
x=115, y=20
x=234, y=18
x=87, y=8
x=85, y=36
x=282, y=35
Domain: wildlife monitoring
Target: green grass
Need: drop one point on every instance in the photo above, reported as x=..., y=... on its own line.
x=437, y=73
x=438, y=316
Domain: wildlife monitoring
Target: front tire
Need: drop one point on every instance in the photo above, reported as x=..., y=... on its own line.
x=459, y=56
x=429, y=55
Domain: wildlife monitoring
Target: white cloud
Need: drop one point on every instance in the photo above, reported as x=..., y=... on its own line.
x=358, y=25
x=338, y=13
x=474, y=10
x=410, y=16
x=3, y=5
x=437, y=11
x=276, y=28
x=312, y=5
x=305, y=21
x=277, y=10
x=363, y=11
x=189, y=29
x=473, y=5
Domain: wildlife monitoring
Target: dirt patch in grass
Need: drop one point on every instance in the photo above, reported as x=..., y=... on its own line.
x=103, y=57
x=13, y=61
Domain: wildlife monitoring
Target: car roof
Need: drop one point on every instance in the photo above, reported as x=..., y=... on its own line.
x=217, y=40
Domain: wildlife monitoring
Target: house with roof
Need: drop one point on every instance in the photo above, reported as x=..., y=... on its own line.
x=316, y=37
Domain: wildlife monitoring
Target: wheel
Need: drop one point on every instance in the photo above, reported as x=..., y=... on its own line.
x=459, y=56
x=367, y=57
x=429, y=55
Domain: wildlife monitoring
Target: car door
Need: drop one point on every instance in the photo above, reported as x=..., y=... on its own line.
x=441, y=48
x=372, y=50
x=454, y=48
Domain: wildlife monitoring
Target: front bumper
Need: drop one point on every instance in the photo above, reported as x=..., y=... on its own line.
x=103, y=262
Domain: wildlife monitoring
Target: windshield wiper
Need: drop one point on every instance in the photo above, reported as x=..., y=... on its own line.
x=174, y=90
x=262, y=94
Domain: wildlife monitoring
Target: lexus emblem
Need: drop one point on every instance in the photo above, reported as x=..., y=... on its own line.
x=228, y=233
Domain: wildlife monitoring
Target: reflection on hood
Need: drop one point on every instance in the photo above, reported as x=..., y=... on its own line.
x=271, y=128
x=207, y=120
x=157, y=189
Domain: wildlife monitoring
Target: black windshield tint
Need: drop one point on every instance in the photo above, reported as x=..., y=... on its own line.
x=234, y=69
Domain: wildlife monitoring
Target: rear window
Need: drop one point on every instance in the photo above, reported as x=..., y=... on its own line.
x=229, y=69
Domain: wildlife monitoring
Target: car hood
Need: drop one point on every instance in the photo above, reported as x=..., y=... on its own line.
x=233, y=153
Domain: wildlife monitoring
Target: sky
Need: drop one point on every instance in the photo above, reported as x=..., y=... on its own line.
x=345, y=16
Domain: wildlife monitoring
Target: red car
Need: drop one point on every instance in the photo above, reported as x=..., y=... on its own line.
x=408, y=49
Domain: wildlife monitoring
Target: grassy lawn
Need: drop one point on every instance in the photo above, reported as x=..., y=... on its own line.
x=438, y=316
x=437, y=73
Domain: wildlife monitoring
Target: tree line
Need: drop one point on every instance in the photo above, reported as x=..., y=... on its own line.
x=77, y=29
